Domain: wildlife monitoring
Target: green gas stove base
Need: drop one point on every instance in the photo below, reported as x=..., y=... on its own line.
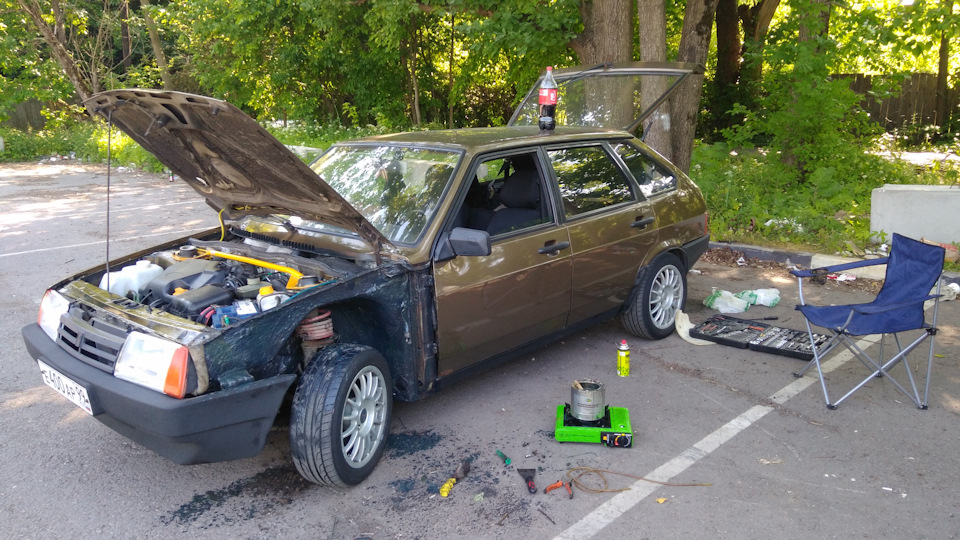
x=612, y=430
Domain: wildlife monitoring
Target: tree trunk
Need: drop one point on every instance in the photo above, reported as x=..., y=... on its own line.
x=814, y=23
x=125, y=35
x=606, y=37
x=694, y=44
x=58, y=49
x=653, y=48
x=725, y=90
x=450, y=100
x=156, y=45
x=818, y=24
x=755, y=22
x=59, y=25
x=942, y=67
x=728, y=44
x=606, y=32
x=414, y=49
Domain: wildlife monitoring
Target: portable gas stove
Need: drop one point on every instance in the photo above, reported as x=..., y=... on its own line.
x=613, y=429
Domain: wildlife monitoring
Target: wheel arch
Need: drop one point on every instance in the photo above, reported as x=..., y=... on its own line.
x=664, y=248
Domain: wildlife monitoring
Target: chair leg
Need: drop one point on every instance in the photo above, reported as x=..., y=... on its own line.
x=817, y=355
x=884, y=369
x=932, y=332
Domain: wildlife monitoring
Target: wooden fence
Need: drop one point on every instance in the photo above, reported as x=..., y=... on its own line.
x=916, y=104
x=26, y=115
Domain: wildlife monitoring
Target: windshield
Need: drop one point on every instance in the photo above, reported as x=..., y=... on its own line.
x=397, y=189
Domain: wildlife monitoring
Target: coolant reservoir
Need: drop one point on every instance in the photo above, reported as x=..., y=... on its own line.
x=269, y=299
x=131, y=277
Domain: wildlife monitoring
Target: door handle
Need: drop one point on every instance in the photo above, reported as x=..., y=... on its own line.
x=552, y=247
x=642, y=222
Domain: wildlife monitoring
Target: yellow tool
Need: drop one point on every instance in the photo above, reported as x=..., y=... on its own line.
x=447, y=486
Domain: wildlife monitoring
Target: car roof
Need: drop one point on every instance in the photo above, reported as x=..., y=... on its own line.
x=478, y=140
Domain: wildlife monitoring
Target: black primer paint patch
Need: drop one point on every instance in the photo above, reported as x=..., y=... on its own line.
x=403, y=444
x=255, y=496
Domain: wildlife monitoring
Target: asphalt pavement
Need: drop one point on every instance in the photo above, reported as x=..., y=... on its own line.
x=776, y=462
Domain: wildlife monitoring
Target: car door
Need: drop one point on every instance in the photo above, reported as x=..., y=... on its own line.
x=488, y=305
x=612, y=227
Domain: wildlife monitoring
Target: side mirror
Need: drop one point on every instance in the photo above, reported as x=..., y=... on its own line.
x=463, y=242
x=470, y=242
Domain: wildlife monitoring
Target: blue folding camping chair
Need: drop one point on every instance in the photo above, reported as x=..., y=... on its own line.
x=913, y=268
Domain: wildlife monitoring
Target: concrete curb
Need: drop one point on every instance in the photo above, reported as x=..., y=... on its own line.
x=814, y=260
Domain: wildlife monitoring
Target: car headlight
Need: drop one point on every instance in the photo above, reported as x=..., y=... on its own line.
x=154, y=363
x=52, y=307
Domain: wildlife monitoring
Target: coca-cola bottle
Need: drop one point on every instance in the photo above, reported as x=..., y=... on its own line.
x=548, y=101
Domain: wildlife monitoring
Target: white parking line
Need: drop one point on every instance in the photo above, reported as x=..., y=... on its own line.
x=115, y=240
x=606, y=513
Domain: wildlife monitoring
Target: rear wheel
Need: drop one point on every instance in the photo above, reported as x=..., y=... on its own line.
x=340, y=416
x=660, y=292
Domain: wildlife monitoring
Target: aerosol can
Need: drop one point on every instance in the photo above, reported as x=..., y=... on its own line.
x=623, y=359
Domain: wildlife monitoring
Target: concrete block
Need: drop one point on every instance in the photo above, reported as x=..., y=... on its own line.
x=878, y=271
x=915, y=211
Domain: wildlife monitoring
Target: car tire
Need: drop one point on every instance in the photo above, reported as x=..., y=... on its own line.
x=340, y=417
x=661, y=291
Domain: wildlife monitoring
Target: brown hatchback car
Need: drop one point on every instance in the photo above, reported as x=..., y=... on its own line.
x=387, y=268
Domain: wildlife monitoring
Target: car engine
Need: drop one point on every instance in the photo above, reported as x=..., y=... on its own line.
x=220, y=283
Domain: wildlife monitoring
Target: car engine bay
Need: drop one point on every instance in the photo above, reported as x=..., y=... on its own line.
x=220, y=283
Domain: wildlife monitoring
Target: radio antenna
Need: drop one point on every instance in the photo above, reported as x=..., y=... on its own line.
x=109, y=166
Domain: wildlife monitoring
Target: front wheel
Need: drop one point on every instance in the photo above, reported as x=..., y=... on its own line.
x=340, y=417
x=660, y=292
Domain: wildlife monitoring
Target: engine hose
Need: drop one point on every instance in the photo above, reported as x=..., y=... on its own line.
x=316, y=328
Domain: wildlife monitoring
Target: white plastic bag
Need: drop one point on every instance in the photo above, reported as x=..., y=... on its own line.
x=725, y=302
x=767, y=297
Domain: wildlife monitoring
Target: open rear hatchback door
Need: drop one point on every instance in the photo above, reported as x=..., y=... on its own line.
x=610, y=96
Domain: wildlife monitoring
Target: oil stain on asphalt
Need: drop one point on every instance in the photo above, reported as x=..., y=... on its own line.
x=403, y=444
x=262, y=493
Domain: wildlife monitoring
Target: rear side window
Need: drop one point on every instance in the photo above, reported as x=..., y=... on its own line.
x=652, y=177
x=589, y=179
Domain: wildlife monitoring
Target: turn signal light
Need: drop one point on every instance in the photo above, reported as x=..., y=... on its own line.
x=176, y=383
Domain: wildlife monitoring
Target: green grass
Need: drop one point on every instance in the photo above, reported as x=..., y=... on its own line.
x=753, y=198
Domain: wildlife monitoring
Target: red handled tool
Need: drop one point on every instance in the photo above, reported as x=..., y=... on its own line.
x=527, y=475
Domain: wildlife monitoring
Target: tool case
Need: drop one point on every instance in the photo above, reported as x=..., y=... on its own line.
x=757, y=336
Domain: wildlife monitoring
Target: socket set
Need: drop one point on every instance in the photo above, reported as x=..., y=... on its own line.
x=787, y=342
x=758, y=336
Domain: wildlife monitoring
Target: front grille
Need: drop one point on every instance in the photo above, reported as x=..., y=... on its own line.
x=94, y=342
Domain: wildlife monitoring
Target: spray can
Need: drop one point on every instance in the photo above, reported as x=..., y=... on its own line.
x=623, y=359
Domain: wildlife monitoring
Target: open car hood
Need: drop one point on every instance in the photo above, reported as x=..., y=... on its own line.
x=608, y=95
x=228, y=158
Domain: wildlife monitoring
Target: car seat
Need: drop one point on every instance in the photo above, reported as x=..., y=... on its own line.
x=520, y=202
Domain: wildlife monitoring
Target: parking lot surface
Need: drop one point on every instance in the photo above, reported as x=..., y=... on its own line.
x=778, y=463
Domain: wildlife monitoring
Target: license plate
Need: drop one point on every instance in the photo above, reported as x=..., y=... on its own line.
x=66, y=387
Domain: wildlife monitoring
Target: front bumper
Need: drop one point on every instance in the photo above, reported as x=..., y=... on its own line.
x=219, y=426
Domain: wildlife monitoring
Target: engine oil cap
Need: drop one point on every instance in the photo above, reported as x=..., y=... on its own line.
x=187, y=251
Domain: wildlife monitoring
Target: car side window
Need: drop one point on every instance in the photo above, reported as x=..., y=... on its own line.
x=652, y=177
x=589, y=179
x=507, y=194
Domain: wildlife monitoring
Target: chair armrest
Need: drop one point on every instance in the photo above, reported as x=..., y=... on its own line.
x=839, y=267
x=872, y=309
